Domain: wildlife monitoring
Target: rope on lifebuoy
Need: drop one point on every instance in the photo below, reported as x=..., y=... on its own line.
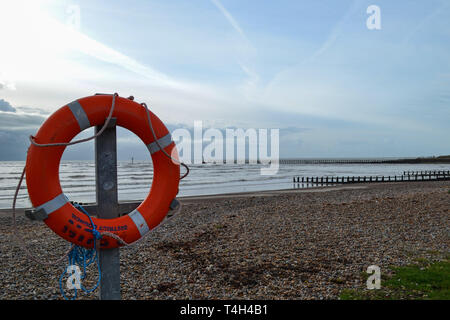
x=77, y=254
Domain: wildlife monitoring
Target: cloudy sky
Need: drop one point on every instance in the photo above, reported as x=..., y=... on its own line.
x=313, y=69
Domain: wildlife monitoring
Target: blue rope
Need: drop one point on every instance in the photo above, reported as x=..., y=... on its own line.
x=83, y=258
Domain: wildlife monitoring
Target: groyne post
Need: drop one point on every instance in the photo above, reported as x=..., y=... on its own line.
x=107, y=207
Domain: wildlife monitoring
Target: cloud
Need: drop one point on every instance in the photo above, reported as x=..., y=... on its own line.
x=336, y=31
x=20, y=121
x=6, y=83
x=16, y=124
x=230, y=19
x=422, y=24
x=15, y=129
x=32, y=111
x=14, y=144
x=58, y=48
x=5, y=105
x=250, y=85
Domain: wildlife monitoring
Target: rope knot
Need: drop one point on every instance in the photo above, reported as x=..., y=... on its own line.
x=97, y=234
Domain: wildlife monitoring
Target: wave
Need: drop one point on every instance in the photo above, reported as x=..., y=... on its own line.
x=77, y=178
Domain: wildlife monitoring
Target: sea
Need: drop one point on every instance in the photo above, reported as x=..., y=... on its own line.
x=135, y=178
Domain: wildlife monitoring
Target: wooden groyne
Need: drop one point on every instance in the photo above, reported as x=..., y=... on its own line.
x=407, y=176
x=424, y=173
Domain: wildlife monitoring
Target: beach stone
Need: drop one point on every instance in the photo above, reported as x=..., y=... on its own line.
x=306, y=244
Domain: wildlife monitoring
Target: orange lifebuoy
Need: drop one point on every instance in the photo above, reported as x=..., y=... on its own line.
x=42, y=171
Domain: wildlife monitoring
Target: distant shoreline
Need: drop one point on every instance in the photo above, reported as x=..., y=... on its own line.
x=357, y=160
x=420, y=160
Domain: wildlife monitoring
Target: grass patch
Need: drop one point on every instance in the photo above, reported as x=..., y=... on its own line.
x=423, y=281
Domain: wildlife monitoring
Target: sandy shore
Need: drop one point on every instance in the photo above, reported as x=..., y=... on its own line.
x=298, y=244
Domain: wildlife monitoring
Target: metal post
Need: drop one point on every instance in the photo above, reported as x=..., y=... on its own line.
x=107, y=207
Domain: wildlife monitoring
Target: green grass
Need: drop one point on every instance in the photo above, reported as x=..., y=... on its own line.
x=422, y=281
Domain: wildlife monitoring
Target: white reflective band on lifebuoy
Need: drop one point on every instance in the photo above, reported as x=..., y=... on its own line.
x=139, y=221
x=79, y=114
x=164, y=142
x=54, y=204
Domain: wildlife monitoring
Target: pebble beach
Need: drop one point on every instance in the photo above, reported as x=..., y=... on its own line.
x=292, y=244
